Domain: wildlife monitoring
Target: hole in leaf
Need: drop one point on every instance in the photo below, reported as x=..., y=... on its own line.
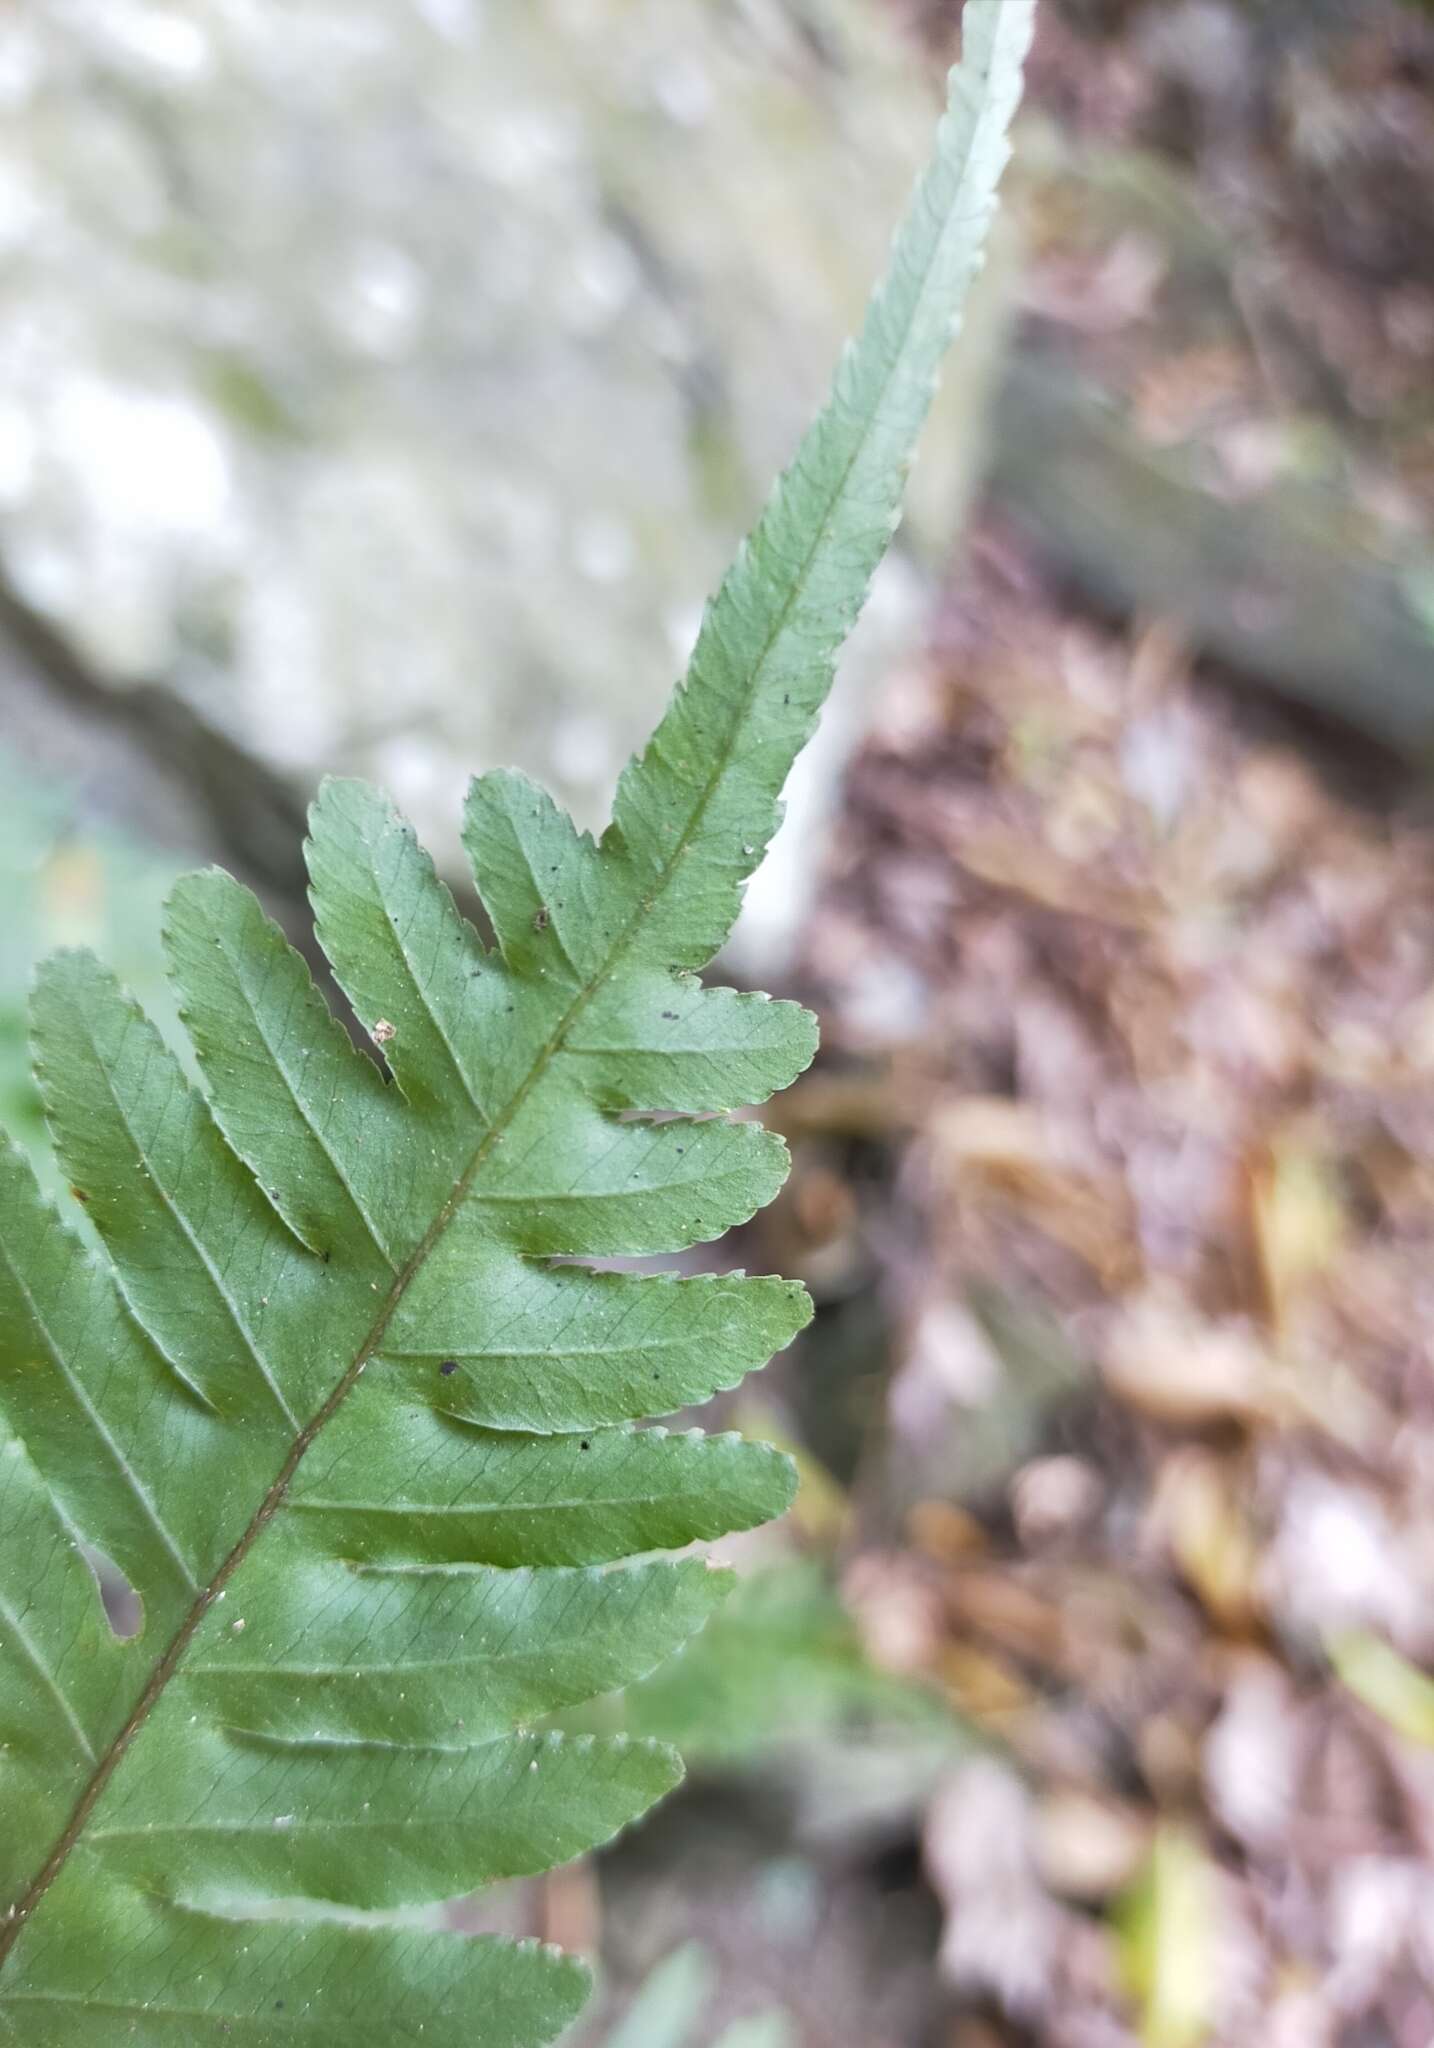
x=124, y=1610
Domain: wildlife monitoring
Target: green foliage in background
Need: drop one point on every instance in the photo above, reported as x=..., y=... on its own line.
x=782, y=1661
x=334, y=1404
x=62, y=885
x=668, y=2008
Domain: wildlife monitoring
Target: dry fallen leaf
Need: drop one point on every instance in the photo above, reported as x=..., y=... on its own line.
x=1200, y=1509
x=1086, y=1847
x=1175, y=1368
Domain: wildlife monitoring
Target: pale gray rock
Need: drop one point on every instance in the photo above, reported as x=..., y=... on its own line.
x=394, y=377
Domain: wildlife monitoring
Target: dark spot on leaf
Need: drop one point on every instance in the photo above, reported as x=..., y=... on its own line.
x=671, y=1015
x=540, y=918
x=585, y=1445
x=448, y=1368
x=80, y=1194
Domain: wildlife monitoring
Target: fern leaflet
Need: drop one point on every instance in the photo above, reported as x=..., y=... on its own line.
x=342, y=1399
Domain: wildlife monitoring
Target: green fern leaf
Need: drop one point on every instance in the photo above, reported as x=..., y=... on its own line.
x=343, y=1402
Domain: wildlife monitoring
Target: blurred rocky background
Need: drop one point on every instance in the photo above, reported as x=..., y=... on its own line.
x=381, y=389
x=388, y=381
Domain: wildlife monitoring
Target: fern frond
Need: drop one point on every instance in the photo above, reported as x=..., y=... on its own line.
x=338, y=1403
